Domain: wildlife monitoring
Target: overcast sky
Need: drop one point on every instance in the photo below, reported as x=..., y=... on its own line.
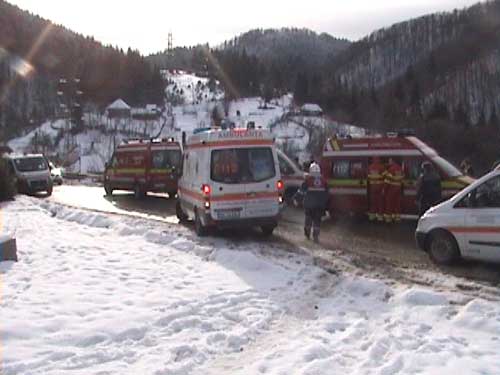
x=145, y=24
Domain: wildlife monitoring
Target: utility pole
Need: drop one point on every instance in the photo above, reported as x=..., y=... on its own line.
x=70, y=105
x=170, y=43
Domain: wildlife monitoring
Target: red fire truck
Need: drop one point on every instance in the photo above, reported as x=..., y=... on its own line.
x=144, y=166
x=345, y=162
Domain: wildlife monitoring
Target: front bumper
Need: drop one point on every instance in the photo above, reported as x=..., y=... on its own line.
x=420, y=240
x=33, y=186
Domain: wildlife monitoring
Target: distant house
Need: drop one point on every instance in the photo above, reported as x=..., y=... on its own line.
x=150, y=112
x=118, y=110
x=310, y=109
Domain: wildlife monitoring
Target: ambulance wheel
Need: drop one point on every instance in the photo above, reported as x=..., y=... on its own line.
x=199, y=228
x=180, y=214
x=108, y=189
x=268, y=230
x=443, y=248
x=138, y=192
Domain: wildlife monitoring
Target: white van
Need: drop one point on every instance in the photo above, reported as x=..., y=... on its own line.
x=467, y=225
x=291, y=174
x=31, y=172
x=230, y=178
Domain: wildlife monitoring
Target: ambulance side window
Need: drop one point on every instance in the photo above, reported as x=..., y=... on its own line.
x=358, y=169
x=341, y=169
x=285, y=168
x=486, y=195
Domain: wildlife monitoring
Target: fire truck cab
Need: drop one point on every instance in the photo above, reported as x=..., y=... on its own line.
x=230, y=178
x=144, y=166
x=345, y=163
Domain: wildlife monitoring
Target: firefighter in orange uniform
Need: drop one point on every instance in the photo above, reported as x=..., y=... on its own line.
x=376, y=172
x=393, y=181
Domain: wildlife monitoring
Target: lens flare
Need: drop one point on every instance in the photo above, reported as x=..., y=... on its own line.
x=22, y=67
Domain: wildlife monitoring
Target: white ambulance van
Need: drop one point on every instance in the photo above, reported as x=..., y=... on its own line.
x=230, y=178
x=466, y=225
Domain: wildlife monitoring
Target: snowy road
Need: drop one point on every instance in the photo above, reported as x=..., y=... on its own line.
x=102, y=294
x=389, y=251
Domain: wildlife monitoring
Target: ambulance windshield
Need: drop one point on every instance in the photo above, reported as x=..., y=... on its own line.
x=242, y=165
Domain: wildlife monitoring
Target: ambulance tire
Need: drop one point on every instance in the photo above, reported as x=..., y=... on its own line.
x=180, y=213
x=443, y=248
x=108, y=190
x=268, y=230
x=138, y=192
x=199, y=228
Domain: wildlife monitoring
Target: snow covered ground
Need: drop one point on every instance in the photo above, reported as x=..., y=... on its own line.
x=106, y=294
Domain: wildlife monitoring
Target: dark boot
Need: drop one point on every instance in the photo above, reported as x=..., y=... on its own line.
x=316, y=234
x=307, y=233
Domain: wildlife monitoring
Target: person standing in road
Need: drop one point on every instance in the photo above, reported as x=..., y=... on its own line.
x=376, y=189
x=315, y=201
x=393, y=181
x=428, y=188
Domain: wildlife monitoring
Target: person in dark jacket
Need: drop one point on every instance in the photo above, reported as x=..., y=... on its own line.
x=428, y=188
x=315, y=201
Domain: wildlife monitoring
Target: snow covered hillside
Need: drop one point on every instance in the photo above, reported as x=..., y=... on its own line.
x=105, y=294
x=190, y=104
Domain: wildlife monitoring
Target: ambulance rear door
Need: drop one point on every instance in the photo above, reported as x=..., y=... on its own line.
x=244, y=182
x=227, y=190
x=262, y=182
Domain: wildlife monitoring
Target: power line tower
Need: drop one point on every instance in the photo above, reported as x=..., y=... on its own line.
x=170, y=43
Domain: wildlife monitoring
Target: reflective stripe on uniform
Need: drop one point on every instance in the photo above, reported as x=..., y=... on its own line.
x=345, y=182
x=131, y=170
x=347, y=191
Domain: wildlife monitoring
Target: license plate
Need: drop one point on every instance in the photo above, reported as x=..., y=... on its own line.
x=229, y=214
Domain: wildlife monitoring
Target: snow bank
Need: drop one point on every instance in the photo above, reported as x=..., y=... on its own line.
x=102, y=294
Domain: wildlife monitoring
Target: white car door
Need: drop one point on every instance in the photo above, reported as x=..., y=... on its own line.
x=482, y=221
